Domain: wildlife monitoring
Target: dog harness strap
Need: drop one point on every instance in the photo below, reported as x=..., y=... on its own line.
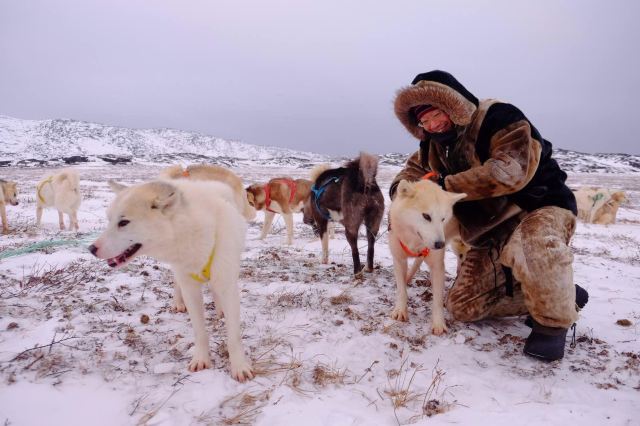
x=43, y=183
x=423, y=253
x=317, y=192
x=185, y=173
x=205, y=274
x=267, y=195
x=431, y=174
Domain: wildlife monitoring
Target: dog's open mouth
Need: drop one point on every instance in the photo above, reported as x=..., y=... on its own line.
x=124, y=256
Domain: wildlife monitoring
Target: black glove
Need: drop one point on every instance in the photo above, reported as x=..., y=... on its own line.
x=440, y=180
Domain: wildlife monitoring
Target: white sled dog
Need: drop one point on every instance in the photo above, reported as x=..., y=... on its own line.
x=61, y=191
x=195, y=227
x=216, y=173
x=8, y=195
x=421, y=223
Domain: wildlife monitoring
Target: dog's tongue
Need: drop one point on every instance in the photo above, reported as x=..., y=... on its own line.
x=122, y=257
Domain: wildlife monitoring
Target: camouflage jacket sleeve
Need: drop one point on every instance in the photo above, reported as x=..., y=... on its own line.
x=513, y=160
x=412, y=172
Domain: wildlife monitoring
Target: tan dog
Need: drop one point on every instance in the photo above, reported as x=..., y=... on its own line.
x=599, y=205
x=61, y=191
x=8, y=194
x=280, y=195
x=216, y=173
x=420, y=224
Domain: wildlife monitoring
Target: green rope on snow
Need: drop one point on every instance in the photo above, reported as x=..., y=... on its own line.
x=48, y=243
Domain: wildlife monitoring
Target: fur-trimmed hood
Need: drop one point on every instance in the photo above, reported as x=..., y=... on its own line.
x=437, y=88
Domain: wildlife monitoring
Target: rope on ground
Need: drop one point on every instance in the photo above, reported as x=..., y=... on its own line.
x=49, y=243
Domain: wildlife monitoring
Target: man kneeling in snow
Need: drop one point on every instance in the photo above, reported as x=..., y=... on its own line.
x=518, y=216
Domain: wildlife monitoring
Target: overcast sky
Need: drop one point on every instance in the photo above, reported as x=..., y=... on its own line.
x=321, y=75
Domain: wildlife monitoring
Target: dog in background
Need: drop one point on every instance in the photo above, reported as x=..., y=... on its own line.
x=196, y=227
x=281, y=195
x=61, y=191
x=8, y=195
x=421, y=224
x=216, y=173
x=349, y=195
x=599, y=205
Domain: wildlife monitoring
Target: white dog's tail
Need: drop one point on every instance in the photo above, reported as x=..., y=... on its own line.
x=172, y=172
x=368, y=165
x=68, y=178
x=317, y=170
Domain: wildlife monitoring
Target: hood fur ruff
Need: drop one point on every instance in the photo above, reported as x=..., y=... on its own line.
x=459, y=108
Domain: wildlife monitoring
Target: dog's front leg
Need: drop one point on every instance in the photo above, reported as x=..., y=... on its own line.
x=178, y=302
x=414, y=268
x=324, y=237
x=266, y=226
x=435, y=260
x=400, y=311
x=3, y=212
x=192, y=293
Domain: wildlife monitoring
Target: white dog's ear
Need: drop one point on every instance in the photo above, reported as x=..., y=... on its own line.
x=455, y=197
x=115, y=186
x=167, y=198
x=405, y=189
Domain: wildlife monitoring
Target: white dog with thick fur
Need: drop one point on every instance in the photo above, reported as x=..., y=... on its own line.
x=61, y=191
x=196, y=227
x=421, y=223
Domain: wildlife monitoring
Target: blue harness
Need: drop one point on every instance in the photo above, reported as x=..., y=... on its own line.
x=317, y=192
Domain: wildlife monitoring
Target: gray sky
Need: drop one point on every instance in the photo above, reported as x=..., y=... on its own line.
x=320, y=75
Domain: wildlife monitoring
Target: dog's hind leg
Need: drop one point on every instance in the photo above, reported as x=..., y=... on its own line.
x=61, y=220
x=288, y=219
x=372, y=220
x=38, y=215
x=227, y=297
x=352, y=239
x=192, y=293
x=266, y=226
x=73, y=217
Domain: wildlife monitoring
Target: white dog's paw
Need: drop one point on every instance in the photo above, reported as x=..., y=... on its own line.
x=178, y=307
x=5, y=230
x=241, y=370
x=400, y=314
x=439, y=327
x=200, y=362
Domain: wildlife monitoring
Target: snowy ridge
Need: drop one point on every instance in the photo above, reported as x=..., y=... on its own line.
x=52, y=139
x=33, y=142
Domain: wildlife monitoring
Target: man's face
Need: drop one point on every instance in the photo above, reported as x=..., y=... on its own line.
x=435, y=121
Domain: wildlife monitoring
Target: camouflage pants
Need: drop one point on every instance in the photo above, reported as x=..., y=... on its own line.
x=540, y=260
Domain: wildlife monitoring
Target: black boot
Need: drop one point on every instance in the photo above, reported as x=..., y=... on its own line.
x=545, y=343
x=582, y=297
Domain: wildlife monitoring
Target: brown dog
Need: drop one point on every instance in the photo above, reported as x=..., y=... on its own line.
x=280, y=195
x=8, y=194
x=216, y=173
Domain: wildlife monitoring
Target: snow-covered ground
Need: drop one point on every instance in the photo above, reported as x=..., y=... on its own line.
x=81, y=343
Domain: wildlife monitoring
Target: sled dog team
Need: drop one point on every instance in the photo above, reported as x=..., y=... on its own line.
x=195, y=219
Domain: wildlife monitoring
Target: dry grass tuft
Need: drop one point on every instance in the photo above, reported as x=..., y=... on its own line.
x=324, y=374
x=342, y=299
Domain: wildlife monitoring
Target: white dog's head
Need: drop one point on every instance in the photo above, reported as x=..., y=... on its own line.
x=420, y=212
x=140, y=222
x=10, y=190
